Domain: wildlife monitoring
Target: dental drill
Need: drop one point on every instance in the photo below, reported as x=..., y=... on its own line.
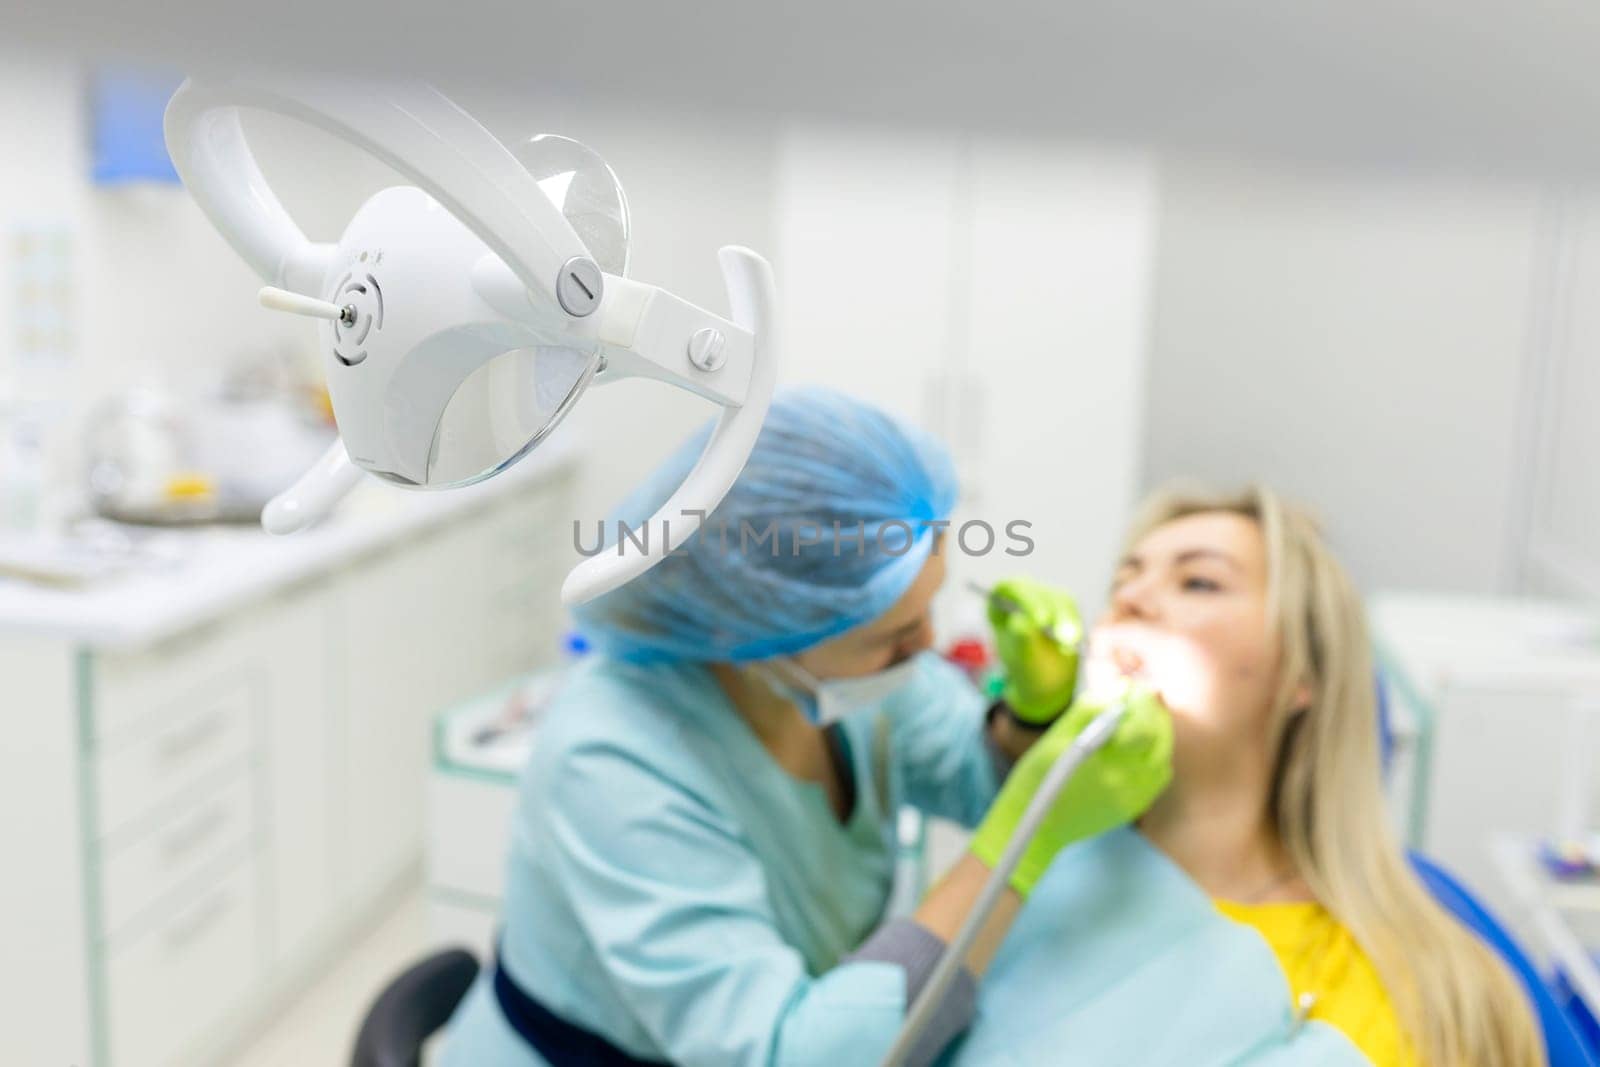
x=1091, y=740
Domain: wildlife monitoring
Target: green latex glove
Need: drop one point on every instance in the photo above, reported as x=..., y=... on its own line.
x=1112, y=787
x=1036, y=631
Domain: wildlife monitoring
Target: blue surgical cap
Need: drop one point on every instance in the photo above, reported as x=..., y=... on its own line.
x=827, y=526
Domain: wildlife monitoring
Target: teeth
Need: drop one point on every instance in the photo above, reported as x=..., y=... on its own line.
x=1127, y=662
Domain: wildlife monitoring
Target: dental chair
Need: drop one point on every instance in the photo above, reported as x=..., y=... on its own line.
x=1564, y=1043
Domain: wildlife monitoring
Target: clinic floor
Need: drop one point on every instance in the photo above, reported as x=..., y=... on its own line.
x=319, y=1029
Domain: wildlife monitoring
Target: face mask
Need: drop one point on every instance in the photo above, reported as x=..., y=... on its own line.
x=827, y=700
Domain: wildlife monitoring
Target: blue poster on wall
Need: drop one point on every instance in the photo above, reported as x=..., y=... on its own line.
x=126, y=105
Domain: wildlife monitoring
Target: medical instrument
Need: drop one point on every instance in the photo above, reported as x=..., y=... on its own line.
x=921, y=1013
x=1038, y=634
x=1008, y=606
x=1571, y=859
x=22, y=472
x=1126, y=781
x=461, y=317
x=156, y=457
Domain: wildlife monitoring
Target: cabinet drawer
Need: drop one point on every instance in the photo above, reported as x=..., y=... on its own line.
x=132, y=690
x=189, y=839
x=212, y=734
x=166, y=988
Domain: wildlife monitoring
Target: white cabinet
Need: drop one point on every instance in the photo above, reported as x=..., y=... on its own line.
x=1049, y=398
x=1505, y=695
x=198, y=835
x=196, y=744
x=997, y=294
x=300, y=777
x=466, y=870
x=225, y=805
x=868, y=249
x=383, y=736
x=1558, y=516
x=170, y=985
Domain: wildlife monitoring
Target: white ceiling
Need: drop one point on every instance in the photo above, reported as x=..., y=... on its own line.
x=1487, y=85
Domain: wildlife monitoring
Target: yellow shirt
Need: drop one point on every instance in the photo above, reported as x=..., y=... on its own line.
x=1319, y=956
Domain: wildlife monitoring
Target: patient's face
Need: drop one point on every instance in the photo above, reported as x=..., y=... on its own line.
x=1188, y=615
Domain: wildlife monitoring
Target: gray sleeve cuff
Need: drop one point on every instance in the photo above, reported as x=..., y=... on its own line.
x=917, y=949
x=1002, y=763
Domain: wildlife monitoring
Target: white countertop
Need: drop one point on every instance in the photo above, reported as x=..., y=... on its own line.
x=1439, y=640
x=491, y=736
x=215, y=569
x=1553, y=907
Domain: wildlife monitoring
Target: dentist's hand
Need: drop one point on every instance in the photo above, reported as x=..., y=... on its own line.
x=1112, y=787
x=1036, y=631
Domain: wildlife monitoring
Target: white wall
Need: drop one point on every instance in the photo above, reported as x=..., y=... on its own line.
x=40, y=132
x=156, y=294
x=1357, y=340
x=38, y=105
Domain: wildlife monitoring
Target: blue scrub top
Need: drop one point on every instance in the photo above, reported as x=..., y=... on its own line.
x=673, y=890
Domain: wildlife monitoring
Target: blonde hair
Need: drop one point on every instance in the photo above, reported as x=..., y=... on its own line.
x=1458, y=1003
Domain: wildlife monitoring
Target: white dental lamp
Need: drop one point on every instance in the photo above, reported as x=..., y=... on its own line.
x=461, y=317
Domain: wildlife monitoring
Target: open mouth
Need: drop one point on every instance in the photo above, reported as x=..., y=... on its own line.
x=1167, y=662
x=1122, y=650
x=1128, y=663
x=1118, y=656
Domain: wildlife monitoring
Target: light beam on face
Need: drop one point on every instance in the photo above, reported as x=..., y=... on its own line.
x=1174, y=665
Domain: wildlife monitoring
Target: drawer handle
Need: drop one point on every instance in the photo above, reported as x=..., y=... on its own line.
x=187, y=839
x=181, y=936
x=181, y=744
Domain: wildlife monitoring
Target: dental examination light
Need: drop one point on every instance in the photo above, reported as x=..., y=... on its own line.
x=461, y=317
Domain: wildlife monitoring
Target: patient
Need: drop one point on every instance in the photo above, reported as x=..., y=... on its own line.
x=1234, y=609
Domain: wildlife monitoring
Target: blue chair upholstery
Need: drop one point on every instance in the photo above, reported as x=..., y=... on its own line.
x=1563, y=1044
x=1583, y=1019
